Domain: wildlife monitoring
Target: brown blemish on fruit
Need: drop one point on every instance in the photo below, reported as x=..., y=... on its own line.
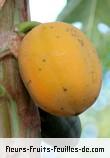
x=39, y=69
x=43, y=60
x=73, y=33
x=62, y=108
x=81, y=42
x=45, y=107
x=65, y=89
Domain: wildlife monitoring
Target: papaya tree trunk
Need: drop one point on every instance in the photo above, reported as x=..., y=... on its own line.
x=19, y=117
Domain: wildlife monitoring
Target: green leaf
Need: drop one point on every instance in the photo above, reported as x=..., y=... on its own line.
x=94, y=16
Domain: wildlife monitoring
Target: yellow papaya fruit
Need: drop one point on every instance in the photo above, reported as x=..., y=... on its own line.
x=60, y=68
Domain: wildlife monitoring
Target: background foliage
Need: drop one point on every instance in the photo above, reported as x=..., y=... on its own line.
x=93, y=18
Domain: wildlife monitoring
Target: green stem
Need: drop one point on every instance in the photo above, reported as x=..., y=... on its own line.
x=26, y=26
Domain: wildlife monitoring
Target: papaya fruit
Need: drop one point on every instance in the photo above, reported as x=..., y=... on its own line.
x=59, y=126
x=60, y=68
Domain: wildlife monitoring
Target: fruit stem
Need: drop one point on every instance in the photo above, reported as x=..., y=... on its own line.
x=26, y=26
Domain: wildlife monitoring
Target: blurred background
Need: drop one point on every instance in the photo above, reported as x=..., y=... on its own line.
x=93, y=18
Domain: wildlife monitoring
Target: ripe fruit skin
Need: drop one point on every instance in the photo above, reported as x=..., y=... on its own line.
x=60, y=68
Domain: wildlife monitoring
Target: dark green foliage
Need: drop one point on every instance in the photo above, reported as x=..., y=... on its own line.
x=59, y=127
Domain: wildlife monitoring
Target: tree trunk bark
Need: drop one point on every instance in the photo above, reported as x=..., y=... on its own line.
x=18, y=115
